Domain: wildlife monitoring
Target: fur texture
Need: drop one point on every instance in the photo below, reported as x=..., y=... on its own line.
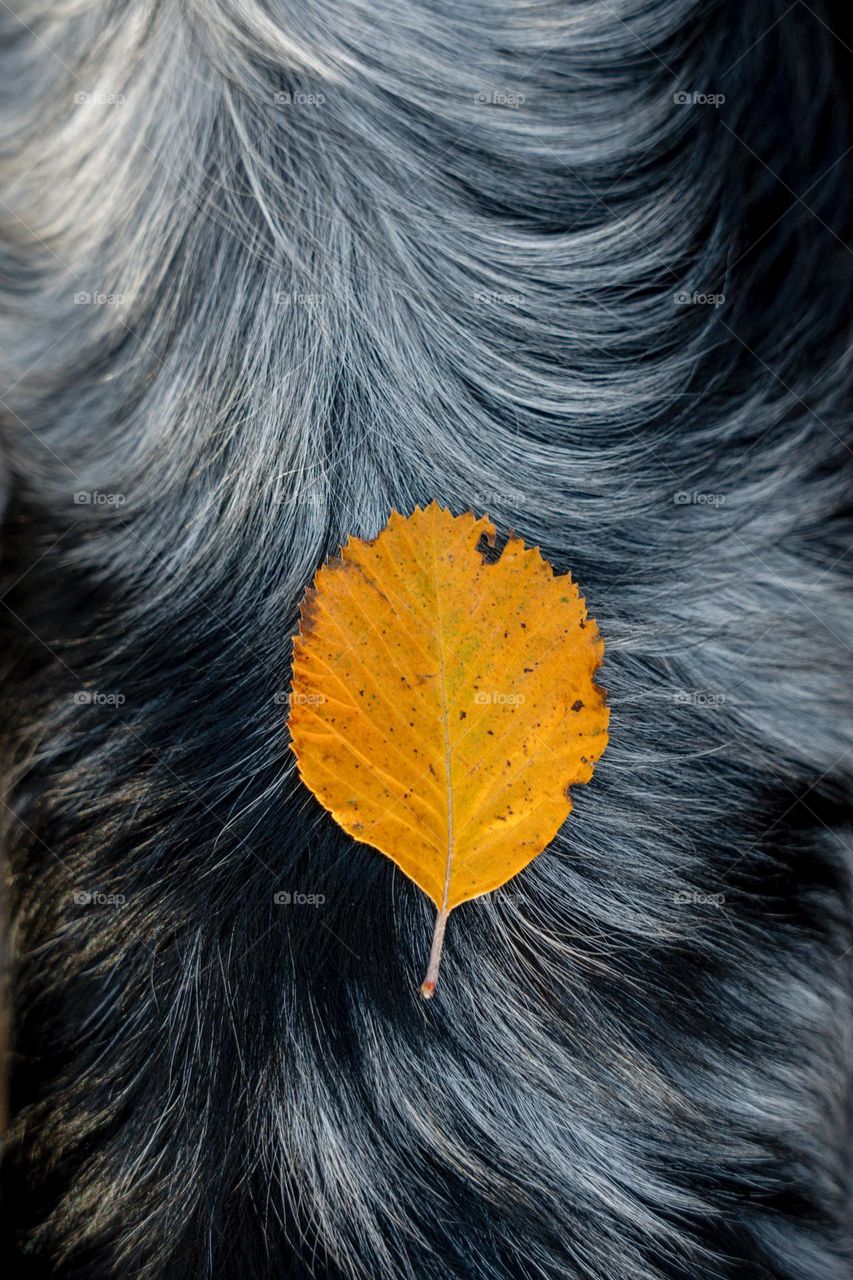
x=342, y=256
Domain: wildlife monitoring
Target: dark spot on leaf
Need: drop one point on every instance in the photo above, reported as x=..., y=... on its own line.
x=490, y=547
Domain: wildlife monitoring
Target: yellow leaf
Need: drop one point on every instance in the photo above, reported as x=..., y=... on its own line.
x=442, y=705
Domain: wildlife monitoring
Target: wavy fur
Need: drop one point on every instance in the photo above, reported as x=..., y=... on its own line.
x=346, y=256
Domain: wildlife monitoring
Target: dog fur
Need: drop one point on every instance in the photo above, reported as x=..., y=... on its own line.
x=269, y=270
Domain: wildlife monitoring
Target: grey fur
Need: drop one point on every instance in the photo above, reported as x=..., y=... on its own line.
x=355, y=256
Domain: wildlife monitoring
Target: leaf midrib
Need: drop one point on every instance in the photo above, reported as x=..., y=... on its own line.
x=445, y=719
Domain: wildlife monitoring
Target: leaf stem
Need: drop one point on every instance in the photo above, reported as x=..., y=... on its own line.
x=428, y=984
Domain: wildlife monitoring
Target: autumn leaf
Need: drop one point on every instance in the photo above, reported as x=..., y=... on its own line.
x=443, y=702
